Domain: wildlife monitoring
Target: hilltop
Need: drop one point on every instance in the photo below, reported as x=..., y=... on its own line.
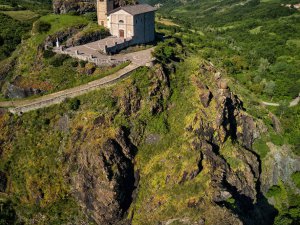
x=184, y=141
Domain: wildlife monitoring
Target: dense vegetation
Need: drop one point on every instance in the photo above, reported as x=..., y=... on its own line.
x=256, y=41
x=257, y=44
x=11, y=32
x=42, y=69
x=16, y=20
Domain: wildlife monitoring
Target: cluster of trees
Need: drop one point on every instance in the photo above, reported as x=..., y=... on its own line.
x=23, y=4
x=11, y=32
x=257, y=44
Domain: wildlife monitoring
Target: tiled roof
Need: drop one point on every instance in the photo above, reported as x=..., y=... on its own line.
x=135, y=9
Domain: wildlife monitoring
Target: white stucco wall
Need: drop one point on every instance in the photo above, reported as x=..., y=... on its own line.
x=115, y=20
x=140, y=27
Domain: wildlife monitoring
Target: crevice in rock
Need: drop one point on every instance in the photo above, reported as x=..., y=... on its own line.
x=259, y=213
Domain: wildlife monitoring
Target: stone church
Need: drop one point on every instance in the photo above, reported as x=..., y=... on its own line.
x=132, y=22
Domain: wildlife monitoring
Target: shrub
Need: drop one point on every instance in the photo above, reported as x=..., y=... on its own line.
x=58, y=60
x=74, y=104
x=7, y=213
x=48, y=54
x=296, y=179
x=74, y=63
x=92, y=16
x=82, y=63
x=275, y=190
x=41, y=26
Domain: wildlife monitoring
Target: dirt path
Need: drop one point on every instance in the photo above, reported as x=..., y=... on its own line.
x=19, y=106
x=293, y=103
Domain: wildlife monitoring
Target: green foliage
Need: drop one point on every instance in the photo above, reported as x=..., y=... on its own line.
x=58, y=60
x=74, y=104
x=7, y=213
x=48, y=54
x=296, y=179
x=168, y=51
x=91, y=16
x=274, y=191
x=11, y=32
x=41, y=26
x=82, y=63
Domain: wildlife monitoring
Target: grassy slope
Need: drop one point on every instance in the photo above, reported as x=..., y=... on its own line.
x=242, y=34
x=36, y=165
x=257, y=45
x=18, y=20
x=50, y=72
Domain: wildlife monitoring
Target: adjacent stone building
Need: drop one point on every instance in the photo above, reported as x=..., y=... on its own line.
x=132, y=22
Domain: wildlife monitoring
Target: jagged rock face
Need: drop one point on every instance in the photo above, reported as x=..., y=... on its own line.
x=279, y=164
x=14, y=91
x=61, y=36
x=230, y=123
x=80, y=6
x=104, y=179
x=82, y=38
x=158, y=91
x=83, y=6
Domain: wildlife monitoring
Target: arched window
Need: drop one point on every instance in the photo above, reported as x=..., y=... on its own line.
x=121, y=21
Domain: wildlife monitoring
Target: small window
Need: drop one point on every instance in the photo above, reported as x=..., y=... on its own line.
x=102, y=23
x=121, y=21
x=101, y=0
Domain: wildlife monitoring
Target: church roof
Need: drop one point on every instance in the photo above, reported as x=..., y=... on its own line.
x=135, y=9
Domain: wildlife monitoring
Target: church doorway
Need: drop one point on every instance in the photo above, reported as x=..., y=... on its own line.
x=121, y=33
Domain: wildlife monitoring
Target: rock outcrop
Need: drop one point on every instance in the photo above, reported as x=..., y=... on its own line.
x=13, y=91
x=279, y=164
x=86, y=37
x=83, y=6
x=104, y=180
x=226, y=145
x=79, y=6
x=61, y=36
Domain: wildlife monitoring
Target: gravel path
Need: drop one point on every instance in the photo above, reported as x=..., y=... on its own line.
x=138, y=59
x=292, y=103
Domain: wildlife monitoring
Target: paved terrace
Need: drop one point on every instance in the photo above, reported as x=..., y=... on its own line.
x=138, y=59
x=95, y=51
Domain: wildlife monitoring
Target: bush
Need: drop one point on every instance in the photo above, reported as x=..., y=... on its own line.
x=41, y=26
x=74, y=104
x=296, y=179
x=92, y=16
x=7, y=213
x=82, y=63
x=48, y=54
x=275, y=190
x=58, y=60
x=74, y=63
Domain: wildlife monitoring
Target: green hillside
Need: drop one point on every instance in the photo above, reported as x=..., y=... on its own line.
x=256, y=41
x=186, y=141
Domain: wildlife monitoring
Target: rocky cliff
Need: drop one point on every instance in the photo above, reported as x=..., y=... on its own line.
x=83, y=6
x=157, y=148
x=225, y=143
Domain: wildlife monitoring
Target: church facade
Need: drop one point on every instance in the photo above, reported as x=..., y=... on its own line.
x=132, y=22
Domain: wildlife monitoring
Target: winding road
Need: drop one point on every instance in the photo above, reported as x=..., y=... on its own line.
x=138, y=59
x=293, y=103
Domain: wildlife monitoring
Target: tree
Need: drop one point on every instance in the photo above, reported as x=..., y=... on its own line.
x=263, y=65
x=74, y=104
x=269, y=88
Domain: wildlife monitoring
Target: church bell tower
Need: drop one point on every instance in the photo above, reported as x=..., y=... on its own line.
x=103, y=8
